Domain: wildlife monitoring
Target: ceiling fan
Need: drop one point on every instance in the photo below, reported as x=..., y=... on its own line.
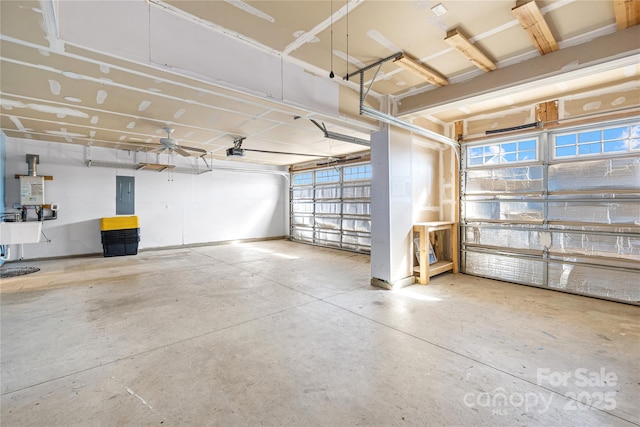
x=170, y=145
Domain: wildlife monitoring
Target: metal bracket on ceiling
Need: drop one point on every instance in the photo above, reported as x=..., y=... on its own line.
x=388, y=118
x=204, y=159
x=361, y=71
x=339, y=136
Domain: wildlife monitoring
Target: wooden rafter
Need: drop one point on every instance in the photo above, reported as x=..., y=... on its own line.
x=532, y=21
x=460, y=41
x=627, y=13
x=411, y=64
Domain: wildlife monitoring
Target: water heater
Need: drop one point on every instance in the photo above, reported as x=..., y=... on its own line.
x=32, y=190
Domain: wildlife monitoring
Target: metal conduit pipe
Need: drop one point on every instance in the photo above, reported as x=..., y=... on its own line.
x=389, y=119
x=32, y=161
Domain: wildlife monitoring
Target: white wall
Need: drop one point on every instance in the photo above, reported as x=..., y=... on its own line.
x=426, y=183
x=3, y=140
x=174, y=209
x=380, y=218
x=391, y=207
x=406, y=187
x=151, y=34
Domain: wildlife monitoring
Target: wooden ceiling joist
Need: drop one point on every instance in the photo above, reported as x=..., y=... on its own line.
x=413, y=65
x=532, y=21
x=627, y=13
x=457, y=39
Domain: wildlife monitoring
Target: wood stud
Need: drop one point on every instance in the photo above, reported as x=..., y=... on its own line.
x=416, y=67
x=458, y=130
x=547, y=112
x=627, y=13
x=531, y=19
x=461, y=43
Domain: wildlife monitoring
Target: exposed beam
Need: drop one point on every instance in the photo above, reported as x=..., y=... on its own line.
x=604, y=53
x=532, y=21
x=627, y=13
x=411, y=64
x=457, y=39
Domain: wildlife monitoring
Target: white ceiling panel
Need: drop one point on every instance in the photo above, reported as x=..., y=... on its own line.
x=182, y=66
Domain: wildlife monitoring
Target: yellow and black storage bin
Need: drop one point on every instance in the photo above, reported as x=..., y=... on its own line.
x=120, y=235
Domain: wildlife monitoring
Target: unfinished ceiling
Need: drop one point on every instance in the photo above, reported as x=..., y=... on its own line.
x=218, y=70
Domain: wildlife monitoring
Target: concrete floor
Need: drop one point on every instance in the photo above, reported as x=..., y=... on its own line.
x=279, y=333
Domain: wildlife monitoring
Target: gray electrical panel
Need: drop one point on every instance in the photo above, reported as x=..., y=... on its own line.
x=125, y=195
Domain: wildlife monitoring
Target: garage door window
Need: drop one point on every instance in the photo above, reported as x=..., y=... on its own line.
x=605, y=141
x=503, y=153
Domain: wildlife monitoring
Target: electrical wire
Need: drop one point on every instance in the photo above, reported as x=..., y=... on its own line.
x=347, y=40
x=331, y=75
x=48, y=240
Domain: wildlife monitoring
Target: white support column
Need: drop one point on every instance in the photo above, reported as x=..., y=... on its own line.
x=391, y=209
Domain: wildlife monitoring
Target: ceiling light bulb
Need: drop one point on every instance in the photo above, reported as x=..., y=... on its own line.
x=439, y=9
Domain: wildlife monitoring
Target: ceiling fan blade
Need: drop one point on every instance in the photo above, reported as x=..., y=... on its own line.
x=136, y=146
x=181, y=152
x=156, y=150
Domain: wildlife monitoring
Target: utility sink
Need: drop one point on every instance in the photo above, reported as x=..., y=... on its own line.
x=20, y=232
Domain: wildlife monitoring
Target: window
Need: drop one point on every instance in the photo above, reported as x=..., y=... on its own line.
x=327, y=175
x=303, y=178
x=619, y=139
x=355, y=173
x=503, y=153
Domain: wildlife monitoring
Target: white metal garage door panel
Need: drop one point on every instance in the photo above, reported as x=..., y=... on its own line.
x=331, y=207
x=564, y=214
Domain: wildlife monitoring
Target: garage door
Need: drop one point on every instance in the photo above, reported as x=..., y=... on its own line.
x=558, y=210
x=331, y=207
